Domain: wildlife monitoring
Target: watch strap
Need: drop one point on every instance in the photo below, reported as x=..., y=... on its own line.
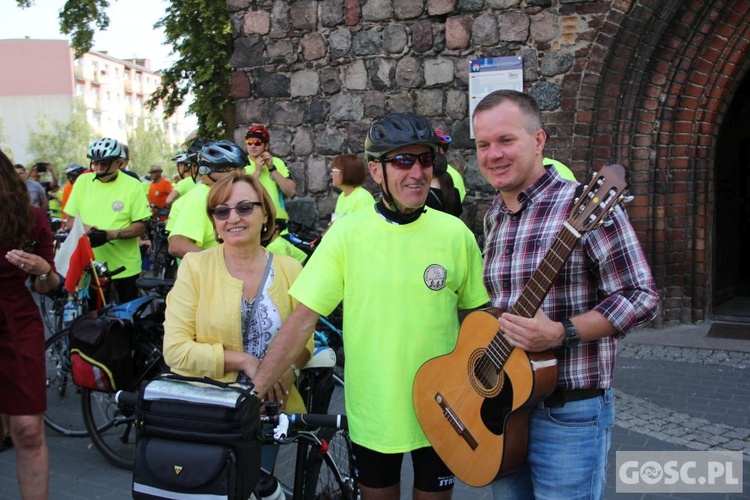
x=572, y=337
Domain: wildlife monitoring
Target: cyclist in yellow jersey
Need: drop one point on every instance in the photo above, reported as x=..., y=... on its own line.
x=281, y=246
x=348, y=173
x=561, y=168
x=113, y=208
x=189, y=227
x=271, y=171
x=403, y=274
x=186, y=182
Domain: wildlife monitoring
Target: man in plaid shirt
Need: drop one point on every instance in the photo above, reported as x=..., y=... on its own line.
x=603, y=291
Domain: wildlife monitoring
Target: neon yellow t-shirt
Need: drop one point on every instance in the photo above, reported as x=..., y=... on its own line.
x=358, y=199
x=402, y=286
x=271, y=186
x=191, y=220
x=458, y=182
x=281, y=246
x=185, y=185
x=55, y=208
x=110, y=206
x=561, y=168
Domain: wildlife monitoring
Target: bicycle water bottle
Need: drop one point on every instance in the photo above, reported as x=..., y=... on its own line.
x=70, y=312
x=269, y=488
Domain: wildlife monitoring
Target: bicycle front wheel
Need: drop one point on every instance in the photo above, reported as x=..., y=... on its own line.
x=331, y=475
x=111, y=427
x=63, y=413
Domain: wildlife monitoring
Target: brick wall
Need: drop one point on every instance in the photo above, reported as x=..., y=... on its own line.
x=641, y=83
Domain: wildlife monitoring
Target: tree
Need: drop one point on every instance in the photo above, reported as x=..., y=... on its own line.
x=62, y=143
x=148, y=145
x=200, y=32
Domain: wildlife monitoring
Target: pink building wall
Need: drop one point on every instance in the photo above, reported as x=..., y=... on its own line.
x=40, y=68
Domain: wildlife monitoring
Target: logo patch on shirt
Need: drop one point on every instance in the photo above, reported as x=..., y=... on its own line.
x=118, y=206
x=435, y=277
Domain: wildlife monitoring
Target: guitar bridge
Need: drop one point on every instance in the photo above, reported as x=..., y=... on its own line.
x=455, y=422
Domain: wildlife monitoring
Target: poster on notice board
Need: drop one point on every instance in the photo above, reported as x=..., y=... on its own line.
x=491, y=74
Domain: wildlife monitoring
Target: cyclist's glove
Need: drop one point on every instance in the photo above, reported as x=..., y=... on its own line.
x=97, y=237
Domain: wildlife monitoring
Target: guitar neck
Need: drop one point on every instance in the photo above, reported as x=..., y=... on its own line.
x=535, y=290
x=541, y=281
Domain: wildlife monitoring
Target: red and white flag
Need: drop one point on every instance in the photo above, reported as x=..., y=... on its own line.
x=74, y=255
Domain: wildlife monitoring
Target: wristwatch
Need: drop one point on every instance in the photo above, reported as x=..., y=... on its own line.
x=44, y=276
x=572, y=338
x=272, y=168
x=295, y=370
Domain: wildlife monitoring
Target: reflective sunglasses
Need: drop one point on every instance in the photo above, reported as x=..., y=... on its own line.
x=254, y=142
x=405, y=161
x=243, y=209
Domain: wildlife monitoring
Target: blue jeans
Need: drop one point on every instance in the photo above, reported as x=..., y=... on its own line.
x=567, y=453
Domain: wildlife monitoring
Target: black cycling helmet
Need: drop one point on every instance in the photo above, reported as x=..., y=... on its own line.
x=395, y=130
x=105, y=149
x=195, y=148
x=74, y=169
x=221, y=155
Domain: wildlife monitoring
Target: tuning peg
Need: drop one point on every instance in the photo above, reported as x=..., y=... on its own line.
x=627, y=198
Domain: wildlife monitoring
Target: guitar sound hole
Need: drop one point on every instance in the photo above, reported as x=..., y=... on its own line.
x=487, y=374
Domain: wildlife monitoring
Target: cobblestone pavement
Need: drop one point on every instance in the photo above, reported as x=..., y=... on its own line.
x=676, y=390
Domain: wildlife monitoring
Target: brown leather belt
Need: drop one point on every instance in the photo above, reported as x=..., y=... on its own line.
x=558, y=398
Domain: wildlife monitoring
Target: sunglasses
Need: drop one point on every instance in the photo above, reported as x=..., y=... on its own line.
x=333, y=169
x=254, y=142
x=405, y=161
x=243, y=209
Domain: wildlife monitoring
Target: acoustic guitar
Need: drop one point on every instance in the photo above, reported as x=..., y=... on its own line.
x=473, y=403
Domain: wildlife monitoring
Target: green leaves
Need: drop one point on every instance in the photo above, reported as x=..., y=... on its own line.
x=77, y=18
x=62, y=143
x=200, y=32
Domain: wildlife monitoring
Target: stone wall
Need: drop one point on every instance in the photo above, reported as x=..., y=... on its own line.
x=318, y=72
x=645, y=83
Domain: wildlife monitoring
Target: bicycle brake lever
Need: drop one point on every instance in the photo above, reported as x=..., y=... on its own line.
x=280, y=431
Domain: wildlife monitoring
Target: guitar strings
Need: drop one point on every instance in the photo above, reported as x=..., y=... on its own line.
x=499, y=349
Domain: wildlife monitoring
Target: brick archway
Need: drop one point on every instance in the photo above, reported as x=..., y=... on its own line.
x=668, y=70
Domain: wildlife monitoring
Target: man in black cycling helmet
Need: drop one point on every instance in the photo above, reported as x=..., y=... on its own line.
x=400, y=150
x=405, y=272
x=189, y=227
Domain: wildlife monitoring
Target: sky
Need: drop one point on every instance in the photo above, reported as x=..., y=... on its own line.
x=130, y=33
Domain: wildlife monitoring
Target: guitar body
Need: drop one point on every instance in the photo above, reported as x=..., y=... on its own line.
x=477, y=418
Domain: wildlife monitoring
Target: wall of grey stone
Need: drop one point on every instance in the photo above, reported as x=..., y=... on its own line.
x=317, y=72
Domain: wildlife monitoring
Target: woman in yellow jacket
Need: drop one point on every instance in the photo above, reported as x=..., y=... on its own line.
x=229, y=301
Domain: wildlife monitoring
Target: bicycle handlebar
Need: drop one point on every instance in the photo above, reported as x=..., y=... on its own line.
x=296, y=420
x=126, y=398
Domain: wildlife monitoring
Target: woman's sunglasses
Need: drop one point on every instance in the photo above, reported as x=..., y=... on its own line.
x=243, y=209
x=254, y=142
x=405, y=161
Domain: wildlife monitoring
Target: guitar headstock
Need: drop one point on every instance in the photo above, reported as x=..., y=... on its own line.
x=607, y=188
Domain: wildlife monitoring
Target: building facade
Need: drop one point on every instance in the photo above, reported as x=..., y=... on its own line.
x=44, y=80
x=660, y=86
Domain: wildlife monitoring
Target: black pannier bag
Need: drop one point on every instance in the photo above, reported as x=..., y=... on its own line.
x=101, y=353
x=196, y=438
